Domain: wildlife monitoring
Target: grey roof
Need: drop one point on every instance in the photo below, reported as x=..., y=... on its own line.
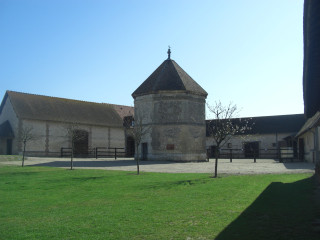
x=270, y=124
x=169, y=76
x=310, y=123
x=37, y=107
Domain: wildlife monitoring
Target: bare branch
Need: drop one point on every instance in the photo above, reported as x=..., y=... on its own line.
x=224, y=126
x=138, y=132
x=26, y=135
x=74, y=133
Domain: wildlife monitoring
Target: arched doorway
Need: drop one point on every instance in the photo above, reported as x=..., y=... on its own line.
x=130, y=147
x=81, y=141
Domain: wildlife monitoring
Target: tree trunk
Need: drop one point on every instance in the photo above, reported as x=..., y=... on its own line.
x=216, y=163
x=23, y=153
x=216, y=168
x=138, y=167
x=71, y=163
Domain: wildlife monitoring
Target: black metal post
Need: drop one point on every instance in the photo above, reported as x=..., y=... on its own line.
x=254, y=156
x=115, y=153
x=231, y=155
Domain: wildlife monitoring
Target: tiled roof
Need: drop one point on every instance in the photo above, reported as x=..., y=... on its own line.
x=310, y=123
x=273, y=124
x=123, y=110
x=169, y=76
x=37, y=107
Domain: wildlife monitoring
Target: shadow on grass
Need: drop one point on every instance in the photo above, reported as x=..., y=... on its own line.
x=20, y=173
x=282, y=211
x=86, y=163
x=175, y=184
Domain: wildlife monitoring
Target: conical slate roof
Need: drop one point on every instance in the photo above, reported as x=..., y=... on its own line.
x=169, y=76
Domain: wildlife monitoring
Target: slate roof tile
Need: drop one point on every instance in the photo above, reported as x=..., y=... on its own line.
x=169, y=76
x=38, y=107
x=310, y=123
x=272, y=124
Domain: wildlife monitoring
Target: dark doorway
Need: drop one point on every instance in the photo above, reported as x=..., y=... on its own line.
x=9, y=146
x=251, y=149
x=295, y=149
x=301, y=149
x=130, y=147
x=81, y=143
x=144, y=151
x=212, y=151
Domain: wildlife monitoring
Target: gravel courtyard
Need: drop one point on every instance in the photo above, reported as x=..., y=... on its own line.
x=238, y=166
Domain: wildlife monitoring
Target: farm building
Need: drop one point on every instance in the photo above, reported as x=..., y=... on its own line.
x=108, y=126
x=170, y=105
x=49, y=119
x=268, y=137
x=309, y=135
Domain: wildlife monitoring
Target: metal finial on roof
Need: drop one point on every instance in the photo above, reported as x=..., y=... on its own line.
x=169, y=52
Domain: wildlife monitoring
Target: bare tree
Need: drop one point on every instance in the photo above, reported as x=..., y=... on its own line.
x=138, y=131
x=26, y=135
x=224, y=126
x=74, y=133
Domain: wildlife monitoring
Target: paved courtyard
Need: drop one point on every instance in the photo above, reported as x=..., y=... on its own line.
x=238, y=166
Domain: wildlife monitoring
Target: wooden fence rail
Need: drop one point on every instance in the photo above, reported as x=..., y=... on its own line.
x=281, y=154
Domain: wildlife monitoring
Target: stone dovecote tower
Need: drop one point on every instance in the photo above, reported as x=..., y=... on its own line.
x=171, y=105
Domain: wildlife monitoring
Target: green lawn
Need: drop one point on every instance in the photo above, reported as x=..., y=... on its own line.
x=51, y=203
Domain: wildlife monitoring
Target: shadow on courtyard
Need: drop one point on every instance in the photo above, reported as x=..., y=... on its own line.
x=282, y=211
x=97, y=164
x=299, y=165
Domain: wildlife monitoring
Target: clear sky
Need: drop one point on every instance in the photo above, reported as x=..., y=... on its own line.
x=246, y=51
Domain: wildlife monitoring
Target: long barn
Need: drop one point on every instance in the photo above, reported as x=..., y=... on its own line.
x=101, y=125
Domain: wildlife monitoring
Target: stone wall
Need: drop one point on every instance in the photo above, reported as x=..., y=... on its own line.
x=311, y=151
x=51, y=136
x=176, y=126
x=268, y=143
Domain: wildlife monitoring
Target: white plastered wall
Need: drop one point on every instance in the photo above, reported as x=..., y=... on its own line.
x=50, y=137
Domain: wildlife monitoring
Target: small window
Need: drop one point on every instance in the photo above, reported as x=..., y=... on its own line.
x=170, y=146
x=229, y=145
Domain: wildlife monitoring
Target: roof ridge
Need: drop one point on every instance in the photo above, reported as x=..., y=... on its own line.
x=169, y=76
x=46, y=108
x=120, y=105
x=158, y=77
x=181, y=77
x=269, y=116
x=61, y=98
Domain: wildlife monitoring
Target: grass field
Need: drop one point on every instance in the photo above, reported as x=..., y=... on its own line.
x=51, y=203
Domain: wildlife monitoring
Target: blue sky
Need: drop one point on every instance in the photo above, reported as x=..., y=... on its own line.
x=245, y=51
